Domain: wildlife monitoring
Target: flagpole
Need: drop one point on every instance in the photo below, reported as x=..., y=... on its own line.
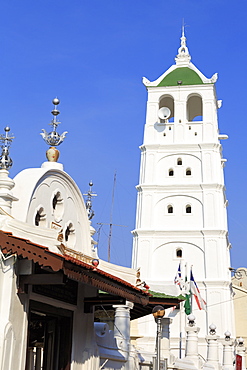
x=191, y=296
x=178, y=281
x=180, y=319
x=180, y=330
x=206, y=292
x=181, y=316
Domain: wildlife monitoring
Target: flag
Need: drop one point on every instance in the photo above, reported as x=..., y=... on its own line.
x=178, y=278
x=196, y=293
x=187, y=303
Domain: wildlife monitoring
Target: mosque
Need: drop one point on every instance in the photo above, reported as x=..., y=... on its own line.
x=63, y=308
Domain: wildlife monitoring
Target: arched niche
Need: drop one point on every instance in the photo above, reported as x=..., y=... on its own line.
x=164, y=258
x=167, y=101
x=181, y=164
x=186, y=211
x=194, y=108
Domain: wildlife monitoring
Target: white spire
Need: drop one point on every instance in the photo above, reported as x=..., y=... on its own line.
x=183, y=57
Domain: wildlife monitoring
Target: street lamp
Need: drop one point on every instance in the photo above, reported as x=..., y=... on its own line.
x=158, y=312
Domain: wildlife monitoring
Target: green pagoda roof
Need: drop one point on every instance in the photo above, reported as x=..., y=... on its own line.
x=184, y=74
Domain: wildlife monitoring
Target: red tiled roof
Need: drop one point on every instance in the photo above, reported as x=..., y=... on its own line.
x=101, y=272
x=72, y=267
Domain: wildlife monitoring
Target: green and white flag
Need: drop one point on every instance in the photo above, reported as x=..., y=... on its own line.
x=187, y=303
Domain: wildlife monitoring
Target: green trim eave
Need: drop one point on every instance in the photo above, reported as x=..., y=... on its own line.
x=184, y=74
x=163, y=295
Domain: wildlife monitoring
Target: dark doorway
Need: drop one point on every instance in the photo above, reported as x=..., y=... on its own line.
x=49, y=337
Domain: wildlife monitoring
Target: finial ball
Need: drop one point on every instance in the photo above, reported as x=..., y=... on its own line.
x=7, y=129
x=91, y=183
x=56, y=101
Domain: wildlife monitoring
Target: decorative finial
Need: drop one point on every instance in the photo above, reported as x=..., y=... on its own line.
x=240, y=342
x=183, y=52
x=227, y=335
x=191, y=319
x=89, y=195
x=53, y=138
x=212, y=329
x=5, y=160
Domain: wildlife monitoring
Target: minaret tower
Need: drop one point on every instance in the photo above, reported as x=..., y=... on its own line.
x=181, y=209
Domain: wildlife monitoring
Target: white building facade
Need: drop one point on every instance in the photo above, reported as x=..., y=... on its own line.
x=181, y=213
x=52, y=282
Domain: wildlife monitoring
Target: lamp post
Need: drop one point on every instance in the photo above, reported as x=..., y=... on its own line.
x=158, y=312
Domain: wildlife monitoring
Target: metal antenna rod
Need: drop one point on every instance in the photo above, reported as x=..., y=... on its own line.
x=112, y=204
x=110, y=223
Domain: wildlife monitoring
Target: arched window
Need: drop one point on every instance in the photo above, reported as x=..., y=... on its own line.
x=179, y=253
x=39, y=219
x=171, y=172
x=188, y=172
x=170, y=209
x=179, y=162
x=194, y=108
x=56, y=200
x=57, y=206
x=188, y=208
x=69, y=234
x=168, y=102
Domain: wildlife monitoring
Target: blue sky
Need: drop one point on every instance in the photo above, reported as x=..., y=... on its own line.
x=93, y=55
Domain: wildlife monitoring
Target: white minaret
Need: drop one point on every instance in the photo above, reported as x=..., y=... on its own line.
x=181, y=209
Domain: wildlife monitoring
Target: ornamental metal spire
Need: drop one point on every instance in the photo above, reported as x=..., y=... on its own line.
x=89, y=195
x=5, y=160
x=53, y=138
x=183, y=51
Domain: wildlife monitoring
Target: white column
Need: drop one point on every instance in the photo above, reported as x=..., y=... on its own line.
x=212, y=341
x=191, y=350
x=6, y=197
x=6, y=286
x=38, y=358
x=227, y=352
x=165, y=338
x=122, y=325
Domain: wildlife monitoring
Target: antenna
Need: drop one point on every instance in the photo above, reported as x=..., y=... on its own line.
x=112, y=204
x=110, y=223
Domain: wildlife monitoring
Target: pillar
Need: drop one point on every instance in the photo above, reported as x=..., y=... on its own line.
x=227, y=363
x=191, y=350
x=122, y=325
x=6, y=197
x=212, y=352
